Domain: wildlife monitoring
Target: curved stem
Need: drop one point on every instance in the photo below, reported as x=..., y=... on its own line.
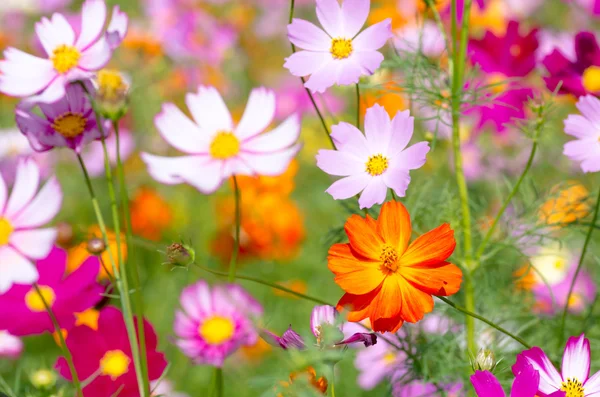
x=63, y=344
x=485, y=320
x=357, y=106
x=238, y=221
x=588, y=237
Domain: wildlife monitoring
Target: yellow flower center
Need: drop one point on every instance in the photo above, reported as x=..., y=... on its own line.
x=65, y=57
x=572, y=387
x=6, y=230
x=111, y=85
x=389, y=358
x=70, y=125
x=591, y=79
x=114, y=363
x=34, y=302
x=389, y=257
x=224, y=145
x=559, y=264
x=341, y=48
x=217, y=330
x=376, y=165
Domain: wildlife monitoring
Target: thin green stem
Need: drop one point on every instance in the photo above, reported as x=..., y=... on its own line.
x=219, y=391
x=63, y=344
x=357, y=106
x=310, y=95
x=332, y=383
x=485, y=320
x=135, y=272
x=238, y=222
x=588, y=238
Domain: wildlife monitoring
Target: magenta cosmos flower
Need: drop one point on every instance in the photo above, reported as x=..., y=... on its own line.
x=216, y=148
x=215, y=322
x=69, y=58
x=575, y=377
x=22, y=239
x=103, y=357
x=527, y=380
x=375, y=161
x=586, y=128
x=69, y=122
x=66, y=295
x=340, y=54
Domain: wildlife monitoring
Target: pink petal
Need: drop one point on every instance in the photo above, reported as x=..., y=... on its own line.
x=350, y=139
x=35, y=243
x=209, y=110
x=369, y=61
x=378, y=129
x=580, y=127
x=402, y=131
x=303, y=63
x=374, y=37
x=354, y=16
x=592, y=386
x=285, y=135
x=349, y=186
x=323, y=78
x=348, y=71
x=93, y=18
x=15, y=269
x=96, y=56
x=27, y=180
x=591, y=164
x=307, y=36
x=526, y=382
x=340, y=163
x=42, y=209
x=38, y=131
x=589, y=106
x=196, y=300
x=374, y=193
x=576, y=359
x=411, y=158
x=3, y=194
x=54, y=32
x=550, y=379
x=236, y=166
x=582, y=149
x=51, y=94
x=258, y=114
x=179, y=131
x=270, y=164
x=330, y=17
x=486, y=385
x=117, y=28
x=22, y=74
x=397, y=179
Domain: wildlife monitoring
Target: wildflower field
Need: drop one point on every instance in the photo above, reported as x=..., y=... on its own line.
x=299, y=198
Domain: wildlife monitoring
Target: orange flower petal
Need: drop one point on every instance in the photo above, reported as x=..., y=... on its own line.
x=357, y=305
x=387, y=324
x=363, y=236
x=442, y=278
x=415, y=303
x=432, y=247
x=394, y=226
x=354, y=275
x=388, y=301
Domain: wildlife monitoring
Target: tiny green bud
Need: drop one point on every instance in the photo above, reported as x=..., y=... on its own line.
x=112, y=93
x=485, y=360
x=180, y=255
x=43, y=379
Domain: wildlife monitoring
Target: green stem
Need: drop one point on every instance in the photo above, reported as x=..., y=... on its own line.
x=357, y=106
x=485, y=320
x=588, y=238
x=238, y=221
x=135, y=272
x=310, y=95
x=219, y=391
x=63, y=344
x=332, y=380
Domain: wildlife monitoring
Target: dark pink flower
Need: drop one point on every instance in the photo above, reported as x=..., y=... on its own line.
x=526, y=384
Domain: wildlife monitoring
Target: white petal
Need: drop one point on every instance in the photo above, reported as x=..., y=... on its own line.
x=3, y=194
x=27, y=181
x=349, y=186
x=270, y=164
x=377, y=129
x=285, y=135
x=117, y=27
x=179, y=131
x=35, y=243
x=15, y=269
x=43, y=208
x=96, y=56
x=329, y=14
x=374, y=193
x=209, y=110
x=258, y=114
x=576, y=359
x=93, y=18
x=22, y=74
x=54, y=32
x=51, y=94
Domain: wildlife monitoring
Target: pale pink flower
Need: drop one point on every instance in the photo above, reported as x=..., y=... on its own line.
x=339, y=54
x=585, y=149
x=10, y=345
x=22, y=240
x=426, y=39
x=68, y=58
x=218, y=149
x=373, y=162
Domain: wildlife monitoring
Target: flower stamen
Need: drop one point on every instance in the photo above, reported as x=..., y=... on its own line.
x=114, y=363
x=34, y=302
x=217, y=330
x=377, y=165
x=225, y=145
x=6, y=230
x=572, y=387
x=70, y=125
x=341, y=48
x=389, y=257
x=65, y=57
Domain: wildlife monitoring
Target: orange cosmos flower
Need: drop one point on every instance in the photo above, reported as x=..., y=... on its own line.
x=79, y=253
x=567, y=206
x=386, y=279
x=150, y=214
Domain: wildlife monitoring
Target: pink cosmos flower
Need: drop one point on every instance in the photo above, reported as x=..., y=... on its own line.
x=94, y=156
x=379, y=362
x=69, y=58
x=70, y=122
x=427, y=39
x=215, y=322
x=339, y=54
x=374, y=162
x=586, y=128
x=526, y=383
x=216, y=148
x=66, y=295
x=575, y=376
x=13, y=147
x=552, y=300
x=103, y=356
x=10, y=346
x=21, y=216
x=164, y=388
x=419, y=388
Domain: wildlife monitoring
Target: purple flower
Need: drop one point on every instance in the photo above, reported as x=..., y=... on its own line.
x=374, y=162
x=421, y=389
x=586, y=128
x=289, y=339
x=527, y=380
x=339, y=54
x=378, y=363
x=575, y=376
x=70, y=122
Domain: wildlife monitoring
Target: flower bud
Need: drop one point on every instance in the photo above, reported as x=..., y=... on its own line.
x=64, y=235
x=43, y=379
x=112, y=91
x=180, y=255
x=96, y=246
x=485, y=360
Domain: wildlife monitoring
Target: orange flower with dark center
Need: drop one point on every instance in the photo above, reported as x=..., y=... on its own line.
x=386, y=279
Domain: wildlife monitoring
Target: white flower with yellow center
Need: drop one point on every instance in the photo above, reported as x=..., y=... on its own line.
x=552, y=263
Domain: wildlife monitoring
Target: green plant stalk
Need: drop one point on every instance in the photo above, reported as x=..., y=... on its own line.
x=588, y=238
x=333, y=380
x=238, y=221
x=63, y=344
x=357, y=106
x=310, y=95
x=134, y=270
x=219, y=386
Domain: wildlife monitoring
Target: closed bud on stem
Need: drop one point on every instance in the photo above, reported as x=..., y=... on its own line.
x=112, y=93
x=96, y=246
x=485, y=360
x=180, y=255
x=64, y=235
x=43, y=379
